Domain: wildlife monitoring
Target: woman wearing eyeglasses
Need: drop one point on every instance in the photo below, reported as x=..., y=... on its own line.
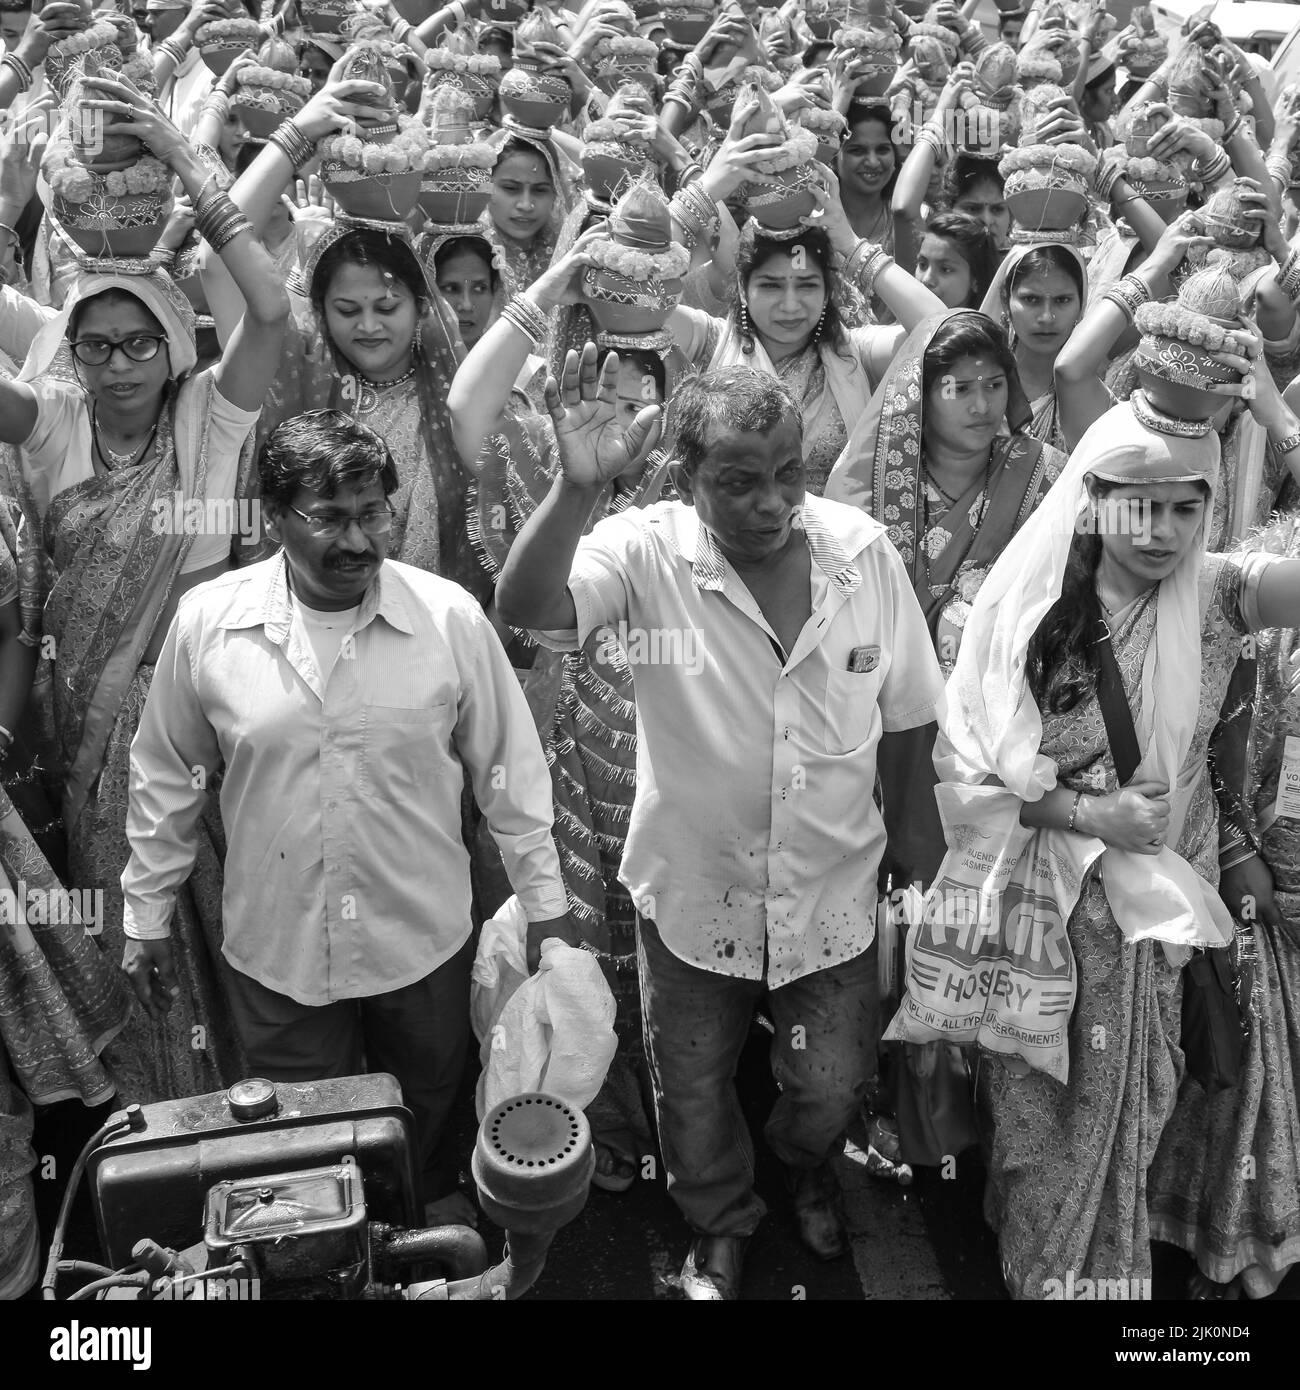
x=116, y=430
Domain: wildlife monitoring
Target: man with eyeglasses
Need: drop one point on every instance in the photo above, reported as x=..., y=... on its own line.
x=342, y=696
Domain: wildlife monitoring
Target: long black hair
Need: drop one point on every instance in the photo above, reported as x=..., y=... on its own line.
x=753, y=255
x=965, y=335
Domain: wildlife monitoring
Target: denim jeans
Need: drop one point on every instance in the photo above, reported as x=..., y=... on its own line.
x=696, y=1023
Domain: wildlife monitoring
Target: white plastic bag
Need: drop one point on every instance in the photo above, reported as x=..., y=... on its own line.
x=553, y=1031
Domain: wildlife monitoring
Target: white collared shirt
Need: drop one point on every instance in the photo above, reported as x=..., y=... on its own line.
x=754, y=834
x=346, y=875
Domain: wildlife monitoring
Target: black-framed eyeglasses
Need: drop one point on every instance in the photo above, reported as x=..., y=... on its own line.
x=330, y=526
x=95, y=352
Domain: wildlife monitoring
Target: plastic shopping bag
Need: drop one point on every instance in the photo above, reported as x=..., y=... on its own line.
x=553, y=1031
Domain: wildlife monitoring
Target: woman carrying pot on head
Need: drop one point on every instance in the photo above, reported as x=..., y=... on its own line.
x=1033, y=742
x=119, y=437
x=369, y=335
x=787, y=318
x=956, y=259
x=1224, y=1182
x=1254, y=478
x=532, y=193
x=942, y=456
x=583, y=700
x=463, y=270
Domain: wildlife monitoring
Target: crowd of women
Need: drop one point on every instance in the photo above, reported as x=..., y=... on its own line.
x=977, y=370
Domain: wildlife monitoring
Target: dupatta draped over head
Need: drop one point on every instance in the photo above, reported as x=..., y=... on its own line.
x=881, y=467
x=1027, y=882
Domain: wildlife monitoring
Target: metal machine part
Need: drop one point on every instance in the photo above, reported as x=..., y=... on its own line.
x=308, y=1192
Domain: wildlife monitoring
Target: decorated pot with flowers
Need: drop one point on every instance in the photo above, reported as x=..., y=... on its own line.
x=615, y=149
x=779, y=206
x=366, y=30
x=1046, y=189
x=457, y=181
x=627, y=58
x=878, y=48
x=376, y=173
x=688, y=22
x=108, y=193
x=99, y=38
x=1144, y=49
x=270, y=90
x=532, y=92
x=1162, y=184
x=457, y=63
x=635, y=280
x=990, y=110
x=221, y=41
x=721, y=104
x=1036, y=66
x=828, y=126
x=1175, y=359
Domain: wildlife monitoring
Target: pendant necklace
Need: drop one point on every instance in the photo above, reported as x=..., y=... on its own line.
x=110, y=456
x=368, y=398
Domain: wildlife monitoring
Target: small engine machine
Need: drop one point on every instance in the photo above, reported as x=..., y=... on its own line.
x=308, y=1191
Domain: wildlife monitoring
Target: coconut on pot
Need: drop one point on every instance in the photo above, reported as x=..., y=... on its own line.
x=533, y=93
x=269, y=90
x=376, y=173
x=457, y=181
x=779, y=207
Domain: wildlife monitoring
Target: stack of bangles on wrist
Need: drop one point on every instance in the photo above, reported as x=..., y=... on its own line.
x=292, y=144
x=219, y=220
x=1235, y=846
x=1129, y=295
x=401, y=29
x=527, y=318
x=1108, y=175
x=697, y=215
x=1279, y=166
x=930, y=134
x=1213, y=169
x=19, y=69
x=1282, y=447
x=173, y=50
x=1232, y=127
x=1288, y=277
x=864, y=263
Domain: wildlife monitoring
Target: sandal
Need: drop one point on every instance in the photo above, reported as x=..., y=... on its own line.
x=614, y=1171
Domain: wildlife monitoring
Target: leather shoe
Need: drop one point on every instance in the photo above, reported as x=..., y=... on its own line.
x=817, y=1213
x=713, y=1268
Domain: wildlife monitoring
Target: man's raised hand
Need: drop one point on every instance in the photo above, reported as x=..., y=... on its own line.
x=583, y=404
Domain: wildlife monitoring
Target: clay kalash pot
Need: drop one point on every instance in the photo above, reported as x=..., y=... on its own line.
x=1161, y=183
x=366, y=30
x=326, y=17
x=990, y=113
x=376, y=173
x=1046, y=186
x=878, y=47
x=221, y=41
x=636, y=280
x=457, y=63
x=533, y=95
x=828, y=126
x=1174, y=360
x=270, y=90
x=457, y=180
x=108, y=194
x=1146, y=49
x=779, y=207
x=615, y=150
x=688, y=23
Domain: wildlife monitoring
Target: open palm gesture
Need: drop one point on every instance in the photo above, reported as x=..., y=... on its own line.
x=593, y=446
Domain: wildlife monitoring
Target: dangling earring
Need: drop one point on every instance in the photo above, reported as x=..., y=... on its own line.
x=746, y=332
x=821, y=323
x=1008, y=330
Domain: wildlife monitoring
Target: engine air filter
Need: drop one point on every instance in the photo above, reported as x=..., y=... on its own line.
x=533, y=1163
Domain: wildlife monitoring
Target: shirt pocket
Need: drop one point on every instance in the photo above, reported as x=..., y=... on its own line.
x=850, y=708
x=402, y=747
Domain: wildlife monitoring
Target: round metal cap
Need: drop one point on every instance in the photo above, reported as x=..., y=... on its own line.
x=252, y=1099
